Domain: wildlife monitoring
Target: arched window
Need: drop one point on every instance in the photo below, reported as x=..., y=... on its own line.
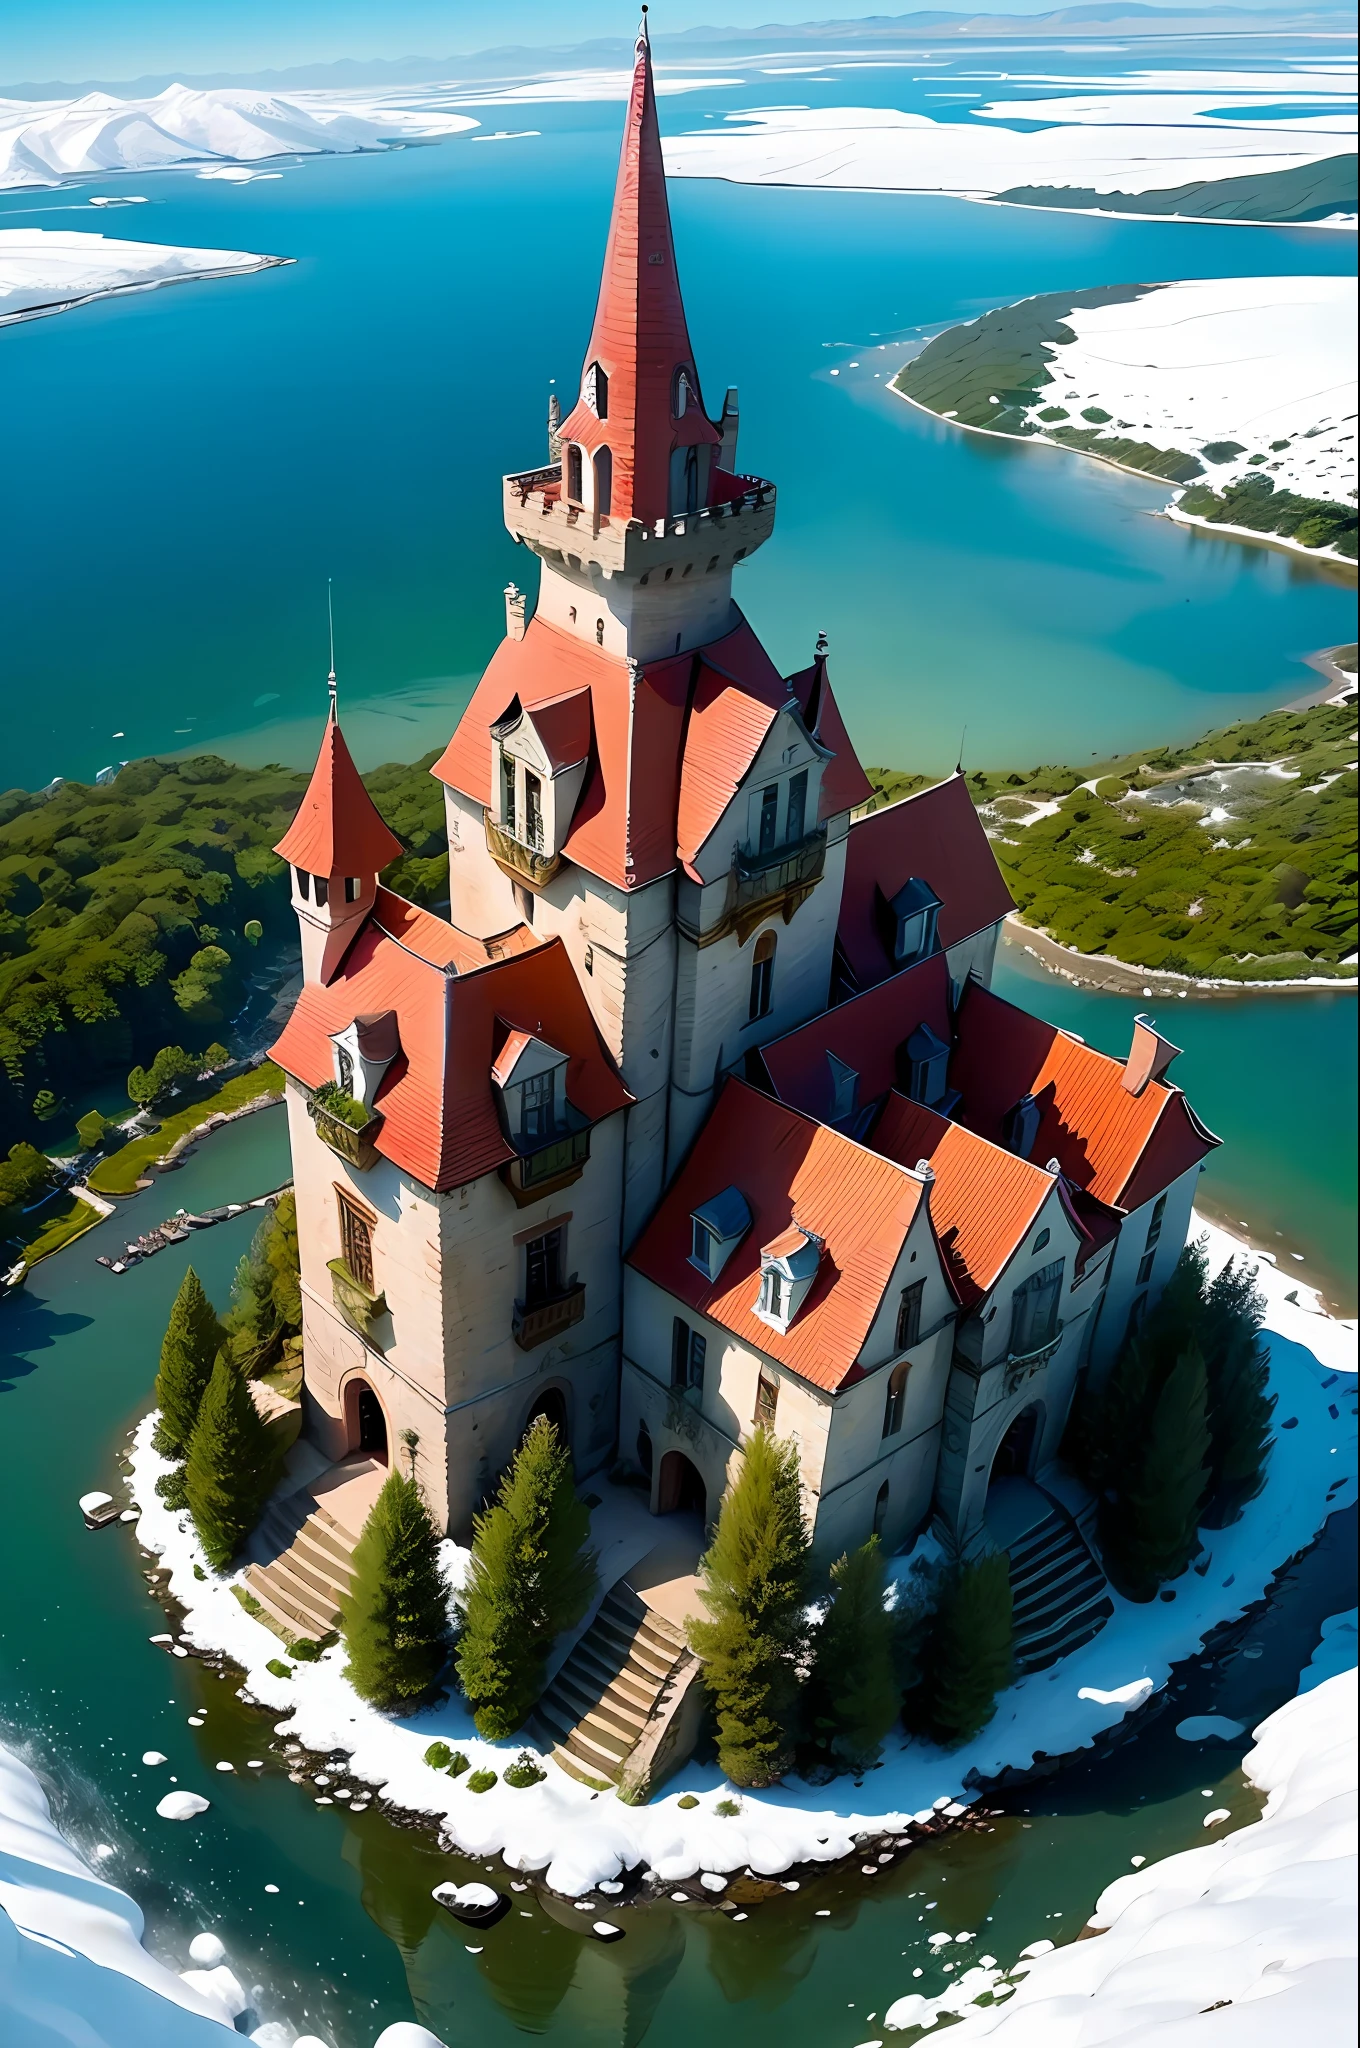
x=682, y=391
x=691, y=480
x=595, y=391
x=599, y=632
x=881, y=1509
x=896, y=1402
x=762, y=976
x=573, y=473
x=304, y=884
x=604, y=481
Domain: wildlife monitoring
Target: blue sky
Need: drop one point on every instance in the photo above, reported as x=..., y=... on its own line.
x=73, y=39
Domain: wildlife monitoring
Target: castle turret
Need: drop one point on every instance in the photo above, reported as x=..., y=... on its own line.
x=335, y=848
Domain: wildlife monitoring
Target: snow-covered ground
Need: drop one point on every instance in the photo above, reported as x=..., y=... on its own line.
x=579, y=1840
x=1255, y=360
x=45, y=270
x=1141, y=132
x=44, y=142
x=1249, y=1940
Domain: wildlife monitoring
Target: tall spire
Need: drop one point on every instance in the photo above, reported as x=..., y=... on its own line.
x=330, y=626
x=337, y=829
x=640, y=394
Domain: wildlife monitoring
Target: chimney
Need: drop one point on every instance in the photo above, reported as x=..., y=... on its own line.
x=727, y=427
x=554, y=427
x=514, y=612
x=1149, y=1056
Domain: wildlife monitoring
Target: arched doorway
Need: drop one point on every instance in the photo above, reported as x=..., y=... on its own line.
x=1015, y=1453
x=551, y=1404
x=365, y=1423
x=681, y=1487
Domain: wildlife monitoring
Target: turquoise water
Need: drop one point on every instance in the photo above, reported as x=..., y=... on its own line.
x=190, y=465
x=352, y=1940
x=1274, y=1076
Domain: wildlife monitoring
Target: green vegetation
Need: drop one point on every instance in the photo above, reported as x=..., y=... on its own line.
x=457, y=1764
x=958, y=1649
x=524, y=1771
x=1149, y=1516
x=439, y=1756
x=126, y=909
x=193, y=1338
x=1254, y=502
x=231, y=1464
x=530, y=1577
x=753, y=1583
x=23, y=1176
x=686, y=1801
x=91, y=1130
x=852, y=1696
x=60, y=1226
x=338, y=1102
x=120, y=1173
x=481, y=1781
x=1264, y=893
x=305, y=1649
x=395, y=1617
x=266, y=1303
x=728, y=1809
x=169, y=1071
x=279, y=1668
x=1303, y=192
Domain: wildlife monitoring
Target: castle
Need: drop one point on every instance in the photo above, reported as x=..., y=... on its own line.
x=698, y=1110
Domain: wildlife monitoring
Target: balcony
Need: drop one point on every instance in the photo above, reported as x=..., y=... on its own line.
x=360, y=1307
x=538, y=1322
x=761, y=885
x=526, y=864
x=552, y=1166
x=540, y=517
x=1021, y=1366
x=354, y=1143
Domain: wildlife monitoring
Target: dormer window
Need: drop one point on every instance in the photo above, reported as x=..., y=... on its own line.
x=532, y=1079
x=927, y=1065
x=1020, y=1127
x=788, y=1267
x=716, y=1229
x=595, y=391
x=541, y=755
x=915, y=911
x=683, y=394
x=362, y=1053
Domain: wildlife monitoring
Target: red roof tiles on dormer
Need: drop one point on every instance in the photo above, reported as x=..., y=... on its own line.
x=864, y=1034
x=440, y=1122
x=563, y=727
x=639, y=338
x=1121, y=1148
x=790, y=1170
x=845, y=786
x=337, y=829
x=937, y=836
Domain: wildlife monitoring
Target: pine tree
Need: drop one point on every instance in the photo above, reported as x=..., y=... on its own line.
x=231, y=1464
x=968, y=1656
x=530, y=1578
x=266, y=1303
x=1237, y=1366
x=395, y=1616
x=852, y=1695
x=754, y=1576
x=193, y=1338
x=1150, y=1519
x=1109, y=1424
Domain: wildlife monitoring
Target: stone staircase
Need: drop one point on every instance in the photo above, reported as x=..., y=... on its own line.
x=601, y=1700
x=310, y=1564
x=1059, y=1595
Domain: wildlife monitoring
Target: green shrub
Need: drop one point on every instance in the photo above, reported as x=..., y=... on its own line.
x=438, y=1756
x=1110, y=789
x=193, y=1338
x=686, y=1801
x=170, y=1488
x=279, y=1668
x=456, y=1765
x=338, y=1102
x=728, y=1808
x=852, y=1697
x=753, y=1583
x=304, y=1649
x=395, y=1614
x=266, y=1301
x=524, y=1771
x=90, y=1129
x=1095, y=415
x=252, y=931
x=231, y=1464
x=1149, y=1517
x=530, y=1577
x=481, y=1781
x=964, y=1656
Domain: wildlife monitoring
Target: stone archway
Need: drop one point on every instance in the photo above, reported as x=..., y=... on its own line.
x=551, y=1404
x=680, y=1487
x=365, y=1422
x=1014, y=1457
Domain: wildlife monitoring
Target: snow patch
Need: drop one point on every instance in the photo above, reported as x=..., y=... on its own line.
x=50, y=270
x=182, y=1806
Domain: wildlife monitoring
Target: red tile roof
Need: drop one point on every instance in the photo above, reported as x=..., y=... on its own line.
x=984, y=1200
x=790, y=1170
x=337, y=829
x=1121, y=1148
x=563, y=725
x=440, y=1121
x=737, y=695
x=639, y=337
x=937, y=836
x=845, y=786
x=434, y=939
x=864, y=1034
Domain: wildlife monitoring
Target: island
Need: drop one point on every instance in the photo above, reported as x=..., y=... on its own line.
x=50, y=270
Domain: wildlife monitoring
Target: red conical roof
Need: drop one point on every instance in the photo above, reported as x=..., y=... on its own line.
x=337, y=830
x=639, y=338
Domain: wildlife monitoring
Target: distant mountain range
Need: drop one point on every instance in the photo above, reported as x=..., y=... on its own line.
x=875, y=31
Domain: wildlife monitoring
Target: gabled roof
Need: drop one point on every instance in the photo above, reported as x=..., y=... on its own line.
x=935, y=836
x=337, y=829
x=863, y=1033
x=790, y=1170
x=563, y=728
x=845, y=786
x=984, y=1201
x=440, y=943
x=440, y=1122
x=738, y=693
x=1118, y=1147
x=639, y=337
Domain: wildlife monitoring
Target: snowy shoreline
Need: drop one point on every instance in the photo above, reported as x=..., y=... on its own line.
x=574, y=1841
x=45, y=271
x=1133, y=979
